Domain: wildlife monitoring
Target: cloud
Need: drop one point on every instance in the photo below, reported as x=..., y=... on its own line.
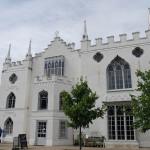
x=21, y=20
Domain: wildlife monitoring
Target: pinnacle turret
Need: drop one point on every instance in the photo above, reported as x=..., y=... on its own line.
x=29, y=55
x=8, y=59
x=85, y=36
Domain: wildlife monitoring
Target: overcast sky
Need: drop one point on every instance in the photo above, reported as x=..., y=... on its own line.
x=22, y=20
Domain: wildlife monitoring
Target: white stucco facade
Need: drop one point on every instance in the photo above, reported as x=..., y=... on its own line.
x=91, y=61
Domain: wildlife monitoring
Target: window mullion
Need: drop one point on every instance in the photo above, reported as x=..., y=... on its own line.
x=61, y=67
x=107, y=125
x=123, y=78
x=125, y=127
x=116, y=134
x=115, y=77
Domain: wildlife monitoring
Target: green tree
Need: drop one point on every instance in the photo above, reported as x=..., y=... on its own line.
x=140, y=105
x=79, y=106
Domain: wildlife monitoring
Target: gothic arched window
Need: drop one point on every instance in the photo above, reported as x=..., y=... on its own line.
x=9, y=125
x=11, y=99
x=43, y=100
x=118, y=74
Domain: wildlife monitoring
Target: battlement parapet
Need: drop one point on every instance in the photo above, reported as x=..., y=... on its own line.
x=123, y=41
x=17, y=65
x=38, y=55
x=123, y=37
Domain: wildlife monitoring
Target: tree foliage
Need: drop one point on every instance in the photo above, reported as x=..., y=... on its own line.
x=79, y=106
x=140, y=105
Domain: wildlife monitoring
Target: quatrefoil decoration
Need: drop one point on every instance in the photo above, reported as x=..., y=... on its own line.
x=98, y=57
x=137, y=52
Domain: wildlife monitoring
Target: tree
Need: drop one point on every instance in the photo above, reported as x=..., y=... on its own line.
x=140, y=105
x=79, y=106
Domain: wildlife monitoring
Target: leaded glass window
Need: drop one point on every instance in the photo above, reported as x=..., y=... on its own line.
x=43, y=100
x=54, y=65
x=119, y=124
x=9, y=125
x=11, y=99
x=118, y=74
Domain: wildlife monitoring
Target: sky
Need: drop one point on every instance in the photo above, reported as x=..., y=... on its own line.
x=38, y=20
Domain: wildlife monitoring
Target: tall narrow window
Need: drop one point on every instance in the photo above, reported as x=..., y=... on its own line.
x=9, y=125
x=43, y=100
x=11, y=99
x=119, y=124
x=118, y=74
x=63, y=129
x=54, y=65
x=60, y=101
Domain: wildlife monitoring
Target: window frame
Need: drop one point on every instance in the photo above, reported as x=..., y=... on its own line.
x=66, y=129
x=54, y=65
x=9, y=127
x=13, y=78
x=114, y=64
x=117, y=125
x=39, y=100
x=12, y=101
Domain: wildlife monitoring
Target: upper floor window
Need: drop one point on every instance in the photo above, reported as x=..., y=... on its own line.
x=13, y=78
x=118, y=74
x=60, y=101
x=54, y=65
x=11, y=100
x=9, y=125
x=43, y=100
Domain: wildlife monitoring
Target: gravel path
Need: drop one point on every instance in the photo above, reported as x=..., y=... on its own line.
x=8, y=146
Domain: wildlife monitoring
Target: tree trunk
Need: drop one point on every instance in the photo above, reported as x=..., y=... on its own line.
x=80, y=139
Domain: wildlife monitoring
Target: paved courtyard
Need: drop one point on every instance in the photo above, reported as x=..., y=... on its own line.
x=8, y=146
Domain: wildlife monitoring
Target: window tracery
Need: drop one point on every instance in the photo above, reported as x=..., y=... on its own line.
x=11, y=99
x=54, y=65
x=119, y=74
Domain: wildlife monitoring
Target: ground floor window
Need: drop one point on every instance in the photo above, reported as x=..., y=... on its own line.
x=119, y=124
x=63, y=129
x=9, y=125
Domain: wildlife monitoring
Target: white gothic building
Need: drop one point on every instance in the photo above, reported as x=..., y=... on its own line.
x=30, y=94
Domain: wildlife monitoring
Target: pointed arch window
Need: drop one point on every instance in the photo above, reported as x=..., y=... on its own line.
x=11, y=99
x=9, y=125
x=118, y=74
x=43, y=100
